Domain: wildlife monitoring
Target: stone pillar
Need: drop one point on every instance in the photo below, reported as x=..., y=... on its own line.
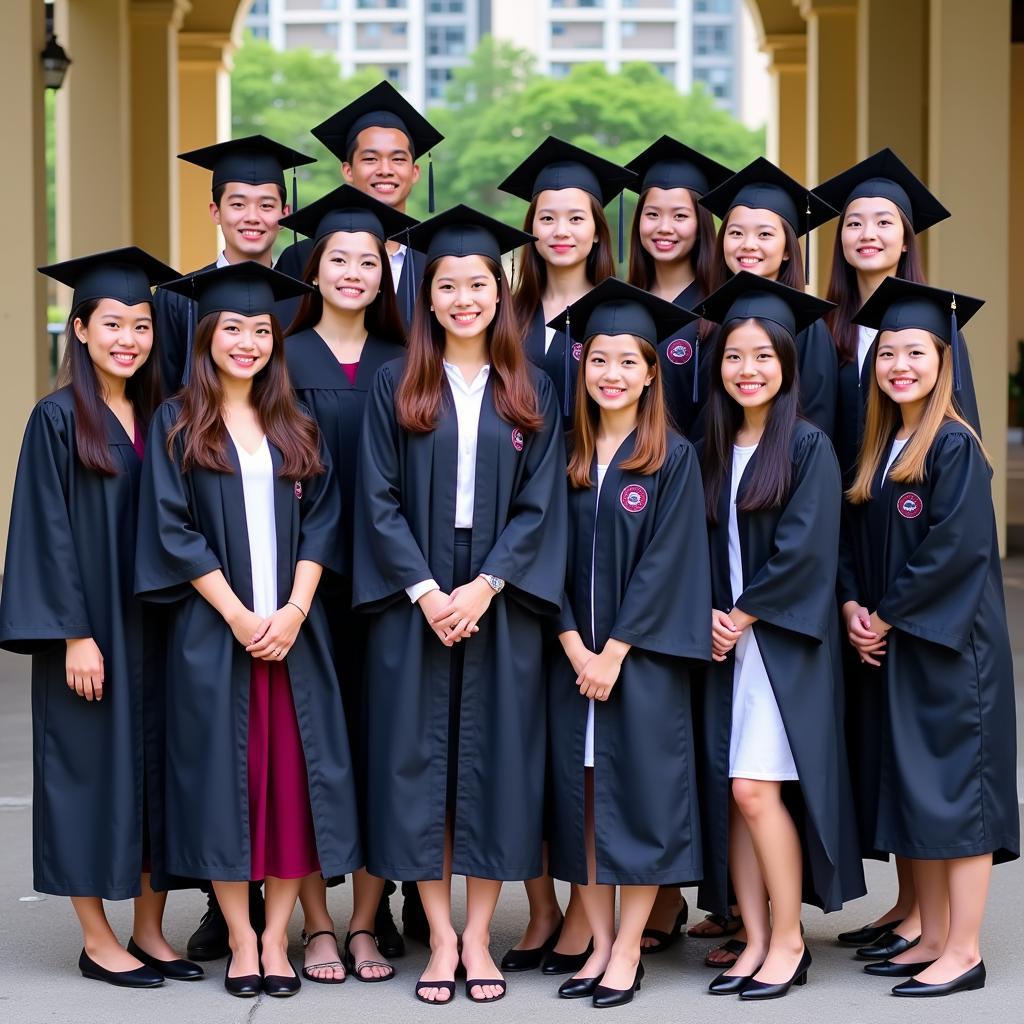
x=22, y=289
x=153, y=66
x=204, y=95
x=969, y=169
x=787, y=122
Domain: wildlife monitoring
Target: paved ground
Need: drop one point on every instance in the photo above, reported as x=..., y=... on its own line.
x=39, y=943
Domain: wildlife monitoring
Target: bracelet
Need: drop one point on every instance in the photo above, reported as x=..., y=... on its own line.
x=294, y=605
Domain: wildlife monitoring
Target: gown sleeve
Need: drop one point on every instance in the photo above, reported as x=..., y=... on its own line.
x=795, y=588
x=171, y=552
x=819, y=377
x=171, y=313
x=320, y=516
x=43, y=597
x=658, y=614
x=847, y=583
x=937, y=593
x=530, y=552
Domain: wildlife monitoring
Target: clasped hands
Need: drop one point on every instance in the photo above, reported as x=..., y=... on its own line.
x=866, y=632
x=268, y=639
x=454, y=617
x=726, y=630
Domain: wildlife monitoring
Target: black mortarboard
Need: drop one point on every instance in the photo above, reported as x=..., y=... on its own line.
x=247, y=288
x=127, y=275
x=898, y=305
x=463, y=231
x=254, y=160
x=669, y=163
x=745, y=296
x=347, y=209
x=885, y=174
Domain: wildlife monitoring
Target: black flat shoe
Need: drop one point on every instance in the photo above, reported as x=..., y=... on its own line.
x=531, y=959
x=887, y=969
x=868, y=935
x=472, y=983
x=967, y=982
x=246, y=986
x=579, y=988
x=356, y=968
x=605, y=997
x=414, y=920
x=280, y=985
x=888, y=946
x=566, y=963
x=173, y=970
x=210, y=940
x=389, y=938
x=755, y=990
x=139, y=977
x=665, y=940
x=729, y=984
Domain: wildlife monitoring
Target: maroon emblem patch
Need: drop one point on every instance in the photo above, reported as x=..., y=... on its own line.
x=298, y=489
x=633, y=498
x=910, y=506
x=679, y=351
x=517, y=440
x=577, y=351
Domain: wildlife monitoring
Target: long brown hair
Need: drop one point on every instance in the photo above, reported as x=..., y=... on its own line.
x=77, y=372
x=883, y=419
x=201, y=426
x=651, y=422
x=418, y=399
x=701, y=257
x=844, y=291
x=380, y=317
x=533, y=272
x=791, y=273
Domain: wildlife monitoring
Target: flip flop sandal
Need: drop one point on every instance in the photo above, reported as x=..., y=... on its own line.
x=727, y=924
x=329, y=965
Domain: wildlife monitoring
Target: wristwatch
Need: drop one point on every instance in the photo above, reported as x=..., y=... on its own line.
x=496, y=583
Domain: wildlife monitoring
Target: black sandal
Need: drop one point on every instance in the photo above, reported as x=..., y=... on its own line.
x=448, y=986
x=306, y=940
x=733, y=946
x=355, y=969
x=665, y=940
x=474, y=982
x=728, y=924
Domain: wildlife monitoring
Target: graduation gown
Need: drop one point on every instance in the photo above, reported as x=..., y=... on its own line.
x=195, y=523
x=70, y=561
x=404, y=534
x=553, y=363
x=924, y=556
x=789, y=572
x=819, y=373
x=680, y=357
x=634, y=545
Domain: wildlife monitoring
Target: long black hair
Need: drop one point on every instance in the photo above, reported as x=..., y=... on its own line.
x=770, y=477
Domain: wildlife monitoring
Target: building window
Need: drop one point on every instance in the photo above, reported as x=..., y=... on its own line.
x=307, y=5
x=718, y=81
x=648, y=35
x=713, y=6
x=437, y=83
x=381, y=5
x=577, y=4
x=577, y=35
x=560, y=69
x=712, y=40
x=446, y=41
x=322, y=36
x=447, y=7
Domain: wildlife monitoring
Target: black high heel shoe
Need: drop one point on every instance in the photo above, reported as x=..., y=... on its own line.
x=246, y=986
x=967, y=982
x=531, y=959
x=566, y=963
x=139, y=977
x=888, y=946
x=579, y=988
x=762, y=990
x=605, y=997
x=868, y=935
x=730, y=984
x=172, y=970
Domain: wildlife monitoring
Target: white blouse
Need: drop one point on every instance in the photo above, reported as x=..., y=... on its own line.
x=588, y=745
x=260, y=521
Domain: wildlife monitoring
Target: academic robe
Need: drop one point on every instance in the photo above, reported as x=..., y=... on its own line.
x=643, y=548
x=554, y=363
x=819, y=372
x=925, y=557
x=789, y=572
x=70, y=562
x=195, y=523
x=404, y=534
x=680, y=356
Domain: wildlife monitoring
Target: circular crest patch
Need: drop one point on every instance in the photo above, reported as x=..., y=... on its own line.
x=633, y=498
x=577, y=351
x=517, y=440
x=679, y=351
x=298, y=489
x=910, y=506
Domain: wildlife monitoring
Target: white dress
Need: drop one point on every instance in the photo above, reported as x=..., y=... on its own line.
x=758, y=746
x=588, y=745
x=260, y=521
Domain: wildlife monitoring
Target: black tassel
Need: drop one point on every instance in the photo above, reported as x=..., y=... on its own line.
x=622, y=215
x=512, y=281
x=807, y=242
x=430, y=183
x=566, y=410
x=954, y=340
x=696, y=369
x=406, y=280
x=295, y=203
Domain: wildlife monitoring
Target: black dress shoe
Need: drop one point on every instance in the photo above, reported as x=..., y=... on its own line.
x=210, y=940
x=868, y=935
x=755, y=989
x=967, y=982
x=139, y=977
x=389, y=938
x=578, y=988
x=173, y=970
x=605, y=997
x=414, y=920
x=246, y=986
x=887, y=969
x=280, y=985
x=531, y=959
x=729, y=984
x=566, y=963
x=888, y=946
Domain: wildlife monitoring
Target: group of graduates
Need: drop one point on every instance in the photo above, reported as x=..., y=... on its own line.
x=385, y=563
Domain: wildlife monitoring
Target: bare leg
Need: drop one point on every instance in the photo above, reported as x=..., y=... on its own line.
x=667, y=906
x=233, y=898
x=576, y=932
x=101, y=944
x=316, y=918
x=481, y=899
x=932, y=887
x=635, y=902
x=745, y=872
x=147, y=927
x=367, y=890
x=905, y=907
x=545, y=913
x=436, y=896
x=280, y=895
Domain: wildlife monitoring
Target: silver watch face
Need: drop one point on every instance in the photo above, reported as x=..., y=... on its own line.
x=496, y=583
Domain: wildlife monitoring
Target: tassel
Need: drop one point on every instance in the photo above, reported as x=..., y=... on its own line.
x=512, y=281
x=295, y=203
x=807, y=242
x=192, y=316
x=430, y=183
x=566, y=410
x=622, y=215
x=696, y=369
x=954, y=340
x=406, y=280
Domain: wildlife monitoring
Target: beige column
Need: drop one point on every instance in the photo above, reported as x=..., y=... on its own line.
x=831, y=105
x=22, y=289
x=969, y=167
x=153, y=68
x=93, y=140
x=204, y=96
x=787, y=122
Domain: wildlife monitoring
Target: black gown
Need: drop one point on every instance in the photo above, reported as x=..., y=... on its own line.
x=405, y=534
x=553, y=363
x=925, y=557
x=195, y=523
x=642, y=547
x=819, y=373
x=680, y=357
x=70, y=561
x=789, y=572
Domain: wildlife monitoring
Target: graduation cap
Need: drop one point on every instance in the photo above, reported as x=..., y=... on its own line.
x=885, y=175
x=556, y=164
x=127, y=275
x=899, y=305
x=463, y=231
x=347, y=209
x=763, y=186
x=382, y=107
x=746, y=295
x=669, y=163
x=247, y=288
